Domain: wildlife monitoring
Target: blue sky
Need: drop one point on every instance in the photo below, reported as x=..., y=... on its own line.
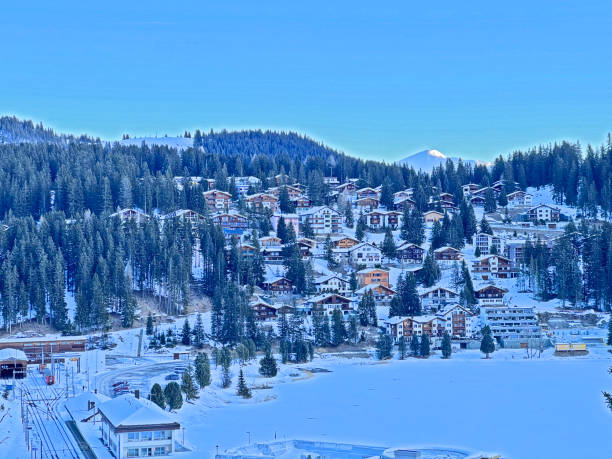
x=375, y=79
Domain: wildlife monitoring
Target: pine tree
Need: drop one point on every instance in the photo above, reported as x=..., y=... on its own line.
x=485, y=227
x=424, y=348
x=415, y=345
x=365, y=307
x=149, y=328
x=157, y=396
x=609, y=342
x=281, y=230
x=226, y=379
x=446, y=346
x=173, y=396
x=202, y=370
x=338, y=330
x=431, y=271
x=186, y=333
x=267, y=365
x=329, y=254
x=384, y=346
x=243, y=389
x=467, y=294
x=353, y=332
x=349, y=219
x=187, y=385
x=388, y=247
x=198, y=332
x=362, y=227
x=490, y=205
x=353, y=284
x=402, y=347
x=487, y=346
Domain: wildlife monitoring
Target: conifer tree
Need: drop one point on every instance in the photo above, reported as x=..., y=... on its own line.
x=226, y=379
x=338, y=330
x=186, y=333
x=402, y=347
x=487, y=345
x=187, y=385
x=424, y=347
x=352, y=332
x=446, y=346
x=149, y=328
x=267, y=365
x=431, y=271
x=173, y=396
x=202, y=370
x=157, y=396
x=388, y=247
x=243, y=389
x=415, y=345
x=609, y=342
x=349, y=219
x=198, y=332
x=485, y=227
x=353, y=284
x=384, y=346
x=361, y=228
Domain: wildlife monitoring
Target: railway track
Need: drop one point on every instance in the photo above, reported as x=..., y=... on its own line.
x=41, y=405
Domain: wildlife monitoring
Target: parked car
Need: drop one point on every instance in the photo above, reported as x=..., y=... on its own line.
x=120, y=383
x=172, y=377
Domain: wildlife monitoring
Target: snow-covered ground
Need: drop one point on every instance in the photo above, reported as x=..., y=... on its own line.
x=549, y=407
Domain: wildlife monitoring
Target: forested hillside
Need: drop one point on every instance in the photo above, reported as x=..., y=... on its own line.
x=57, y=194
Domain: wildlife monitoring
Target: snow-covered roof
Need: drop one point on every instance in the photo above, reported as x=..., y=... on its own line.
x=126, y=410
x=372, y=286
x=12, y=354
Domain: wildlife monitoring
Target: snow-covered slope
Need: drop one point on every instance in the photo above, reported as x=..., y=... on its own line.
x=426, y=160
x=179, y=143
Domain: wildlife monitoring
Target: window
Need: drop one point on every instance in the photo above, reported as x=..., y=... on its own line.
x=146, y=436
x=132, y=452
x=146, y=452
x=133, y=436
x=160, y=450
x=161, y=435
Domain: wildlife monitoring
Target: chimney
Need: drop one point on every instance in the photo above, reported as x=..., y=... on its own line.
x=137, y=393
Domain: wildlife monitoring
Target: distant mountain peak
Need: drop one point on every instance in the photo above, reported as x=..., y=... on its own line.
x=426, y=160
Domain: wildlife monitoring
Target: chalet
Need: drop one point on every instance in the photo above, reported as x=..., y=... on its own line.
x=543, y=212
x=134, y=427
x=490, y=294
x=267, y=311
x=469, y=188
x=347, y=188
x=305, y=249
x=484, y=242
x=331, y=181
x=436, y=297
x=495, y=266
x=367, y=193
x=429, y=325
x=281, y=179
x=278, y=285
x=262, y=201
x=334, y=283
x=247, y=251
x=328, y=302
x=367, y=204
x=447, y=255
x=477, y=201
x=514, y=249
x=269, y=241
x=243, y=184
x=407, y=193
x=343, y=242
x=187, y=214
x=373, y=276
x=272, y=254
x=131, y=215
x=216, y=199
x=432, y=216
x=410, y=253
x=191, y=181
x=364, y=254
x=290, y=219
x=381, y=293
x=322, y=220
x=483, y=191
x=381, y=219
x=519, y=198
x=301, y=202
x=291, y=191
x=232, y=224
x=307, y=241
x=401, y=203
x=458, y=321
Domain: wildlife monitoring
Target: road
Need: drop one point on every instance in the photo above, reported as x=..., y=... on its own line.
x=137, y=377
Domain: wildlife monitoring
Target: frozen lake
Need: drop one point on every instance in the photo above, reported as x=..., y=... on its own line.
x=521, y=408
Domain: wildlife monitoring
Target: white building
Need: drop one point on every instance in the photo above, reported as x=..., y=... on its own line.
x=133, y=427
x=322, y=219
x=519, y=198
x=511, y=323
x=364, y=254
x=334, y=283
